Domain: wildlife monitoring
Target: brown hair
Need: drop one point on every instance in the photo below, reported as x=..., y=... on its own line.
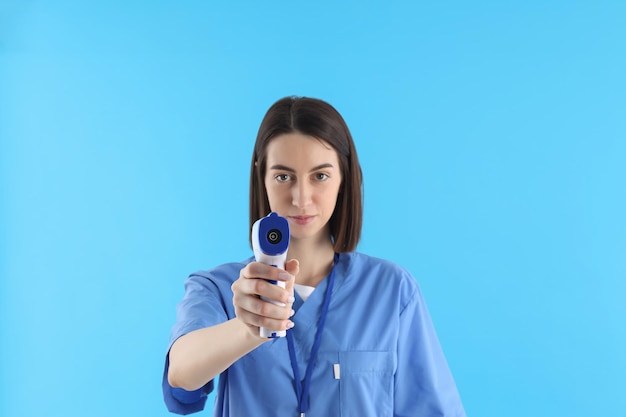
x=316, y=118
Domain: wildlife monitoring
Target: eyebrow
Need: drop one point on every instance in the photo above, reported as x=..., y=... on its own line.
x=315, y=168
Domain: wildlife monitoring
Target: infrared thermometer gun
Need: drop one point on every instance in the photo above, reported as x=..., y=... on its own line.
x=270, y=241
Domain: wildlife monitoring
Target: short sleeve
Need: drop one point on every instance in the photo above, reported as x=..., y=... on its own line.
x=424, y=384
x=203, y=305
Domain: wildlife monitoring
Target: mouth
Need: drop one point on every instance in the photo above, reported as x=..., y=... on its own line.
x=302, y=220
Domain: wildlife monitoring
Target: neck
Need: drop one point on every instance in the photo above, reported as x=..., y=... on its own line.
x=315, y=258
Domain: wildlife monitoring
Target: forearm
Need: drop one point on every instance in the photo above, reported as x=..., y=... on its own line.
x=199, y=356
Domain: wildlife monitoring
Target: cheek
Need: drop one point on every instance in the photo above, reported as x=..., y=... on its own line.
x=274, y=193
x=271, y=196
x=331, y=195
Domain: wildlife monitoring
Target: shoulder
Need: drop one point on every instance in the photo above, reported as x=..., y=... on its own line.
x=357, y=262
x=225, y=273
x=379, y=275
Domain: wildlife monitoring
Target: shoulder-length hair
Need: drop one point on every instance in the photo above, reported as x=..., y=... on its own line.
x=315, y=118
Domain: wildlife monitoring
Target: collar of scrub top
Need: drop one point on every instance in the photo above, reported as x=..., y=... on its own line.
x=302, y=387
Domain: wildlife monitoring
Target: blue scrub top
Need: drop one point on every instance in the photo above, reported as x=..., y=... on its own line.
x=378, y=331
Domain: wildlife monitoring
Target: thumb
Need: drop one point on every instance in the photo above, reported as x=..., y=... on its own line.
x=292, y=266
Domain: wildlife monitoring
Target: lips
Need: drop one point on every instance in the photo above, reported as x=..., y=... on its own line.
x=302, y=220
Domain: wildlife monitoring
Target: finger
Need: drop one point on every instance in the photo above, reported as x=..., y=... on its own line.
x=274, y=292
x=259, y=307
x=256, y=312
x=257, y=321
x=261, y=270
x=293, y=267
x=262, y=288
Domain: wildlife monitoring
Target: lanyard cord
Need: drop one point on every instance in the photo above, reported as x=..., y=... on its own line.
x=302, y=388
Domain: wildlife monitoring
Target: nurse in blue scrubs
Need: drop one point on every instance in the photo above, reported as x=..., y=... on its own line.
x=360, y=341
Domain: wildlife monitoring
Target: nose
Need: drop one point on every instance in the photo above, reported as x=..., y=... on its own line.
x=301, y=194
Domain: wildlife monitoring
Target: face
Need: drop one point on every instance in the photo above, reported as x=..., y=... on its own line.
x=302, y=180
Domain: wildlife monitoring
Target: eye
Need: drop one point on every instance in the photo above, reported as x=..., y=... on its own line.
x=321, y=176
x=282, y=177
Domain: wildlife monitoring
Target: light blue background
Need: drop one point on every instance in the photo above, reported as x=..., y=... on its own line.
x=492, y=137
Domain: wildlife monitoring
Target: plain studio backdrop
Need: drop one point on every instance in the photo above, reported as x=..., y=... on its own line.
x=493, y=142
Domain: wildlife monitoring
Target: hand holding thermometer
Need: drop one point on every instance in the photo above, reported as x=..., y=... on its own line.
x=270, y=241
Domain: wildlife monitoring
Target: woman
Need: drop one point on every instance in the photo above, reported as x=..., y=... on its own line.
x=360, y=341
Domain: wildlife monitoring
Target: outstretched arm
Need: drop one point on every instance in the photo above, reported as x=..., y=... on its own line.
x=199, y=356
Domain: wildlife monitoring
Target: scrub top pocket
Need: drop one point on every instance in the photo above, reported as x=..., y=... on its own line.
x=366, y=384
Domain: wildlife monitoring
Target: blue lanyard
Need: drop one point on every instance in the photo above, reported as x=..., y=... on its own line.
x=302, y=387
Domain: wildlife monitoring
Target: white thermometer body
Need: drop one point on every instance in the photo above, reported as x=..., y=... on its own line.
x=270, y=241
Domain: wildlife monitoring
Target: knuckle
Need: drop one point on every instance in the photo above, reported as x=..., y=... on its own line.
x=267, y=323
x=255, y=269
x=243, y=272
x=239, y=312
x=282, y=298
x=259, y=285
x=265, y=309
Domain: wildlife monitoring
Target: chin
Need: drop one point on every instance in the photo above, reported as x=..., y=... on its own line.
x=311, y=233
